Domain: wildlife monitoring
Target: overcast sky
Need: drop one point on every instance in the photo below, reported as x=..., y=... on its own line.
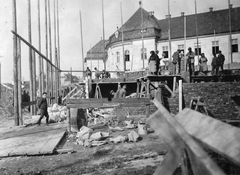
x=70, y=43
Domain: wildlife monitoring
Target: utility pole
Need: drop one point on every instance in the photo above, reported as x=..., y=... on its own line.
x=55, y=53
x=40, y=59
x=230, y=34
x=82, y=43
x=143, y=54
x=104, y=61
x=59, y=62
x=124, y=61
x=30, y=55
x=19, y=81
x=47, y=64
x=50, y=49
x=169, y=33
x=196, y=29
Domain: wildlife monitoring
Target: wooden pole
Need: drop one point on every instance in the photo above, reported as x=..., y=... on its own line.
x=230, y=34
x=30, y=54
x=40, y=67
x=180, y=96
x=169, y=33
x=55, y=53
x=104, y=61
x=59, y=62
x=34, y=81
x=143, y=55
x=19, y=82
x=82, y=43
x=15, y=73
x=15, y=65
x=50, y=48
x=47, y=65
x=196, y=29
x=124, y=61
x=185, y=42
x=0, y=80
x=69, y=121
x=174, y=84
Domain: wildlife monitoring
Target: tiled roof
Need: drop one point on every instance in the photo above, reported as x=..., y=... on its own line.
x=207, y=23
x=132, y=28
x=96, y=52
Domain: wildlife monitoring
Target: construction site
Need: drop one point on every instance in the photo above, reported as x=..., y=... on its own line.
x=167, y=120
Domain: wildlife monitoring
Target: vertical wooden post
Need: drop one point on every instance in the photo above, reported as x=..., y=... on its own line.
x=19, y=81
x=0, y=80
x=59, y=62
x=50, y=48
x=34, y=81
x=174, y=84
x=55, y=53
x=15, y=65
x=69, y=121
x=82, y=44
x=40, y=80
x=30, y=55
x=148, y=95
x=104, y=61
x=47, y=64
x=138, y=83
x=180, y=96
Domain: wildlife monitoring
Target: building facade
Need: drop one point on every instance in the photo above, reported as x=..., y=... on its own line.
x=152, y=34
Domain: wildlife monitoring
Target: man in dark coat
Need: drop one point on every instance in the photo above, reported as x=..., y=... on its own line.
x=220, y=60
x=157, y=62
x=42, y=106
x=175, y=61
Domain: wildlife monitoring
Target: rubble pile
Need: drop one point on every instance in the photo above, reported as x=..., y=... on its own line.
x=6, y=106
x=56, y=114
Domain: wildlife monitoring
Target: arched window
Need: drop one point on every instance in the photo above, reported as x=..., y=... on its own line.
x=118, y=57
x=127, y=55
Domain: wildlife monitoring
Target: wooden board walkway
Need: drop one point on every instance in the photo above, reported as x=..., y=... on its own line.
x=32, y=140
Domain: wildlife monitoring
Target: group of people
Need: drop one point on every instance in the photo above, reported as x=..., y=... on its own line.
x=120, y=93
x=157, y=64
x=98, y=74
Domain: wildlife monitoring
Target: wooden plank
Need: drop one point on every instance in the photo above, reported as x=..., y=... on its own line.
x=219, y=136
x=200, y=155
x=105, y=100
x=24, y=104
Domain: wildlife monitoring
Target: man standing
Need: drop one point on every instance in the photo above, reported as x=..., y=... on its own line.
x=191, y=59
x=175, y=60
x=42, y=106
x=157, y=62
x=88, y=73
x=122, y=93
x=97, y=73
x=220, y=60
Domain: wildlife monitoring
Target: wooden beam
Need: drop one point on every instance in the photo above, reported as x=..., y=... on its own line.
x=33, y=48
x=177, y=135
x=24, y=104
x=34, y=81
x=219, y=136
x=105, y=100
x=40, y=68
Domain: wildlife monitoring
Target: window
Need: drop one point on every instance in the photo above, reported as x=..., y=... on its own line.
x=127, y=56
x=118, y=57
x=234, y=45
x=215, y=47
x=165, y=50
x=198, y=49
x=144, y=53
x=181, y=48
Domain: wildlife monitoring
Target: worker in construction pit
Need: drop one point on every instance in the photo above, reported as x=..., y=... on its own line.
x=42, y=106
x=123, y=92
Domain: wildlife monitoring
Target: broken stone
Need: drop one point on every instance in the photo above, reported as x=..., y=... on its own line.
x=96, y=136
x=83, y=130
x=133, y=136
x=116, y=128
x=118, y=139
x=98, y=143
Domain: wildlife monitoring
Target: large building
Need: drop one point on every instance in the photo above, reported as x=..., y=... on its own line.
x=213, y=35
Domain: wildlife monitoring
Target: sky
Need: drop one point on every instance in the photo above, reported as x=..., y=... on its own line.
x=92, y=26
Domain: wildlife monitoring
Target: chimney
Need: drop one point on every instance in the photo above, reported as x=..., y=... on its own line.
x=230, y=6
x=140, y=4
x=151, y=13
x=167, y=16
x=210, y=9
x=182, y=13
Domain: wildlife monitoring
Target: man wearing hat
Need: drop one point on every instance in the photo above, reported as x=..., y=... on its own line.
x=191, y=58
x=220, y=60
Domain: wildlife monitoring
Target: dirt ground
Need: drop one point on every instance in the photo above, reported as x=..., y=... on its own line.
x=141, y=157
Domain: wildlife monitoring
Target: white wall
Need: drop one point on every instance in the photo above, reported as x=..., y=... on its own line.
x=94, y=63
x=134, y=48
x=206, y=46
